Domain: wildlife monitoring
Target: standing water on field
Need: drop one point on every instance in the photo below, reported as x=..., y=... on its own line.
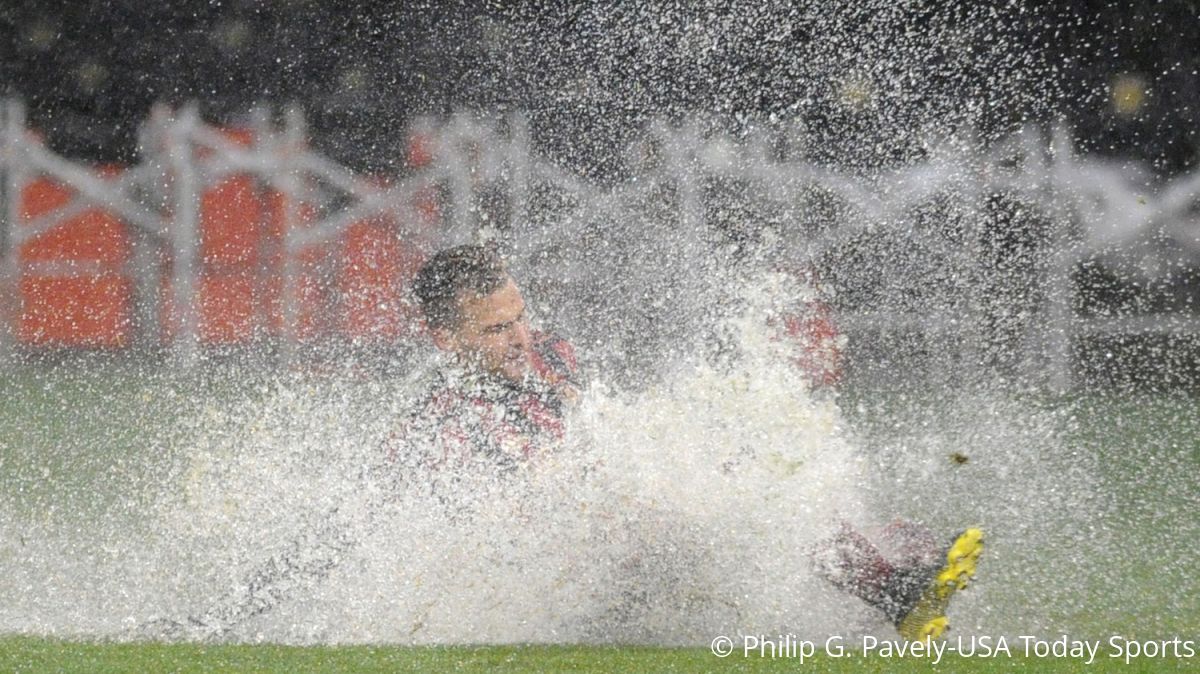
x=684, y=181
x=673, y=511
x=686, y=508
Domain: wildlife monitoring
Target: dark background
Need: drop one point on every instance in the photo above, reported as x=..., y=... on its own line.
x=588, y=73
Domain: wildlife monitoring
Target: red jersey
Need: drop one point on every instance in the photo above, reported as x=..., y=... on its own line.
x=469, y=418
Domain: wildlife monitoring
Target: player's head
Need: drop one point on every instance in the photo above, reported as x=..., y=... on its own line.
x=474, y=310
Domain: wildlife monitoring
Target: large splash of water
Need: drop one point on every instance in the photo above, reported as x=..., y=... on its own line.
x=675, y=511
x=707, y=480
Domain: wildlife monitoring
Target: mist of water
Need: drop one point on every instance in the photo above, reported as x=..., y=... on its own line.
x=701, y=468
x=681, y=509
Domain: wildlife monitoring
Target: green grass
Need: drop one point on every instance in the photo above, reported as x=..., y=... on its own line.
x=77, y=438
x=38, y=655
x=72, y=441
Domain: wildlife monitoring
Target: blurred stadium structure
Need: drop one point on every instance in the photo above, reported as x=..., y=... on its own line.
x=1014, y=256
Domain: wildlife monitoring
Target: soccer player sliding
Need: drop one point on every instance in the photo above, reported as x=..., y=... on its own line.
x=501, y=399
x=497, y=408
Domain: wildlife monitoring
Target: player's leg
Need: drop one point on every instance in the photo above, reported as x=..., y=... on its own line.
x=923, y=611
x=853, y=564
x=914, y=587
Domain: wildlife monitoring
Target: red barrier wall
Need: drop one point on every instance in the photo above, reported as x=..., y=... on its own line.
x=375, y=271
x=231, y=233
x=311, y=286
x=73, y=287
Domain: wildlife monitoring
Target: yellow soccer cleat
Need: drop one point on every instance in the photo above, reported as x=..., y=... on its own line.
x=934, y=628
x=926, y=619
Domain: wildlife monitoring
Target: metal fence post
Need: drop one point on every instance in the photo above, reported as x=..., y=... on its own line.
x=289, y=184
x=1060, y=263
x=518, y=160
x=185, y=239
x=10, y=239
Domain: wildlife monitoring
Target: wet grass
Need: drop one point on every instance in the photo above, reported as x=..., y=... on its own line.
x=76, y=438
x=41, y=655
x=1150, y=446
x=1130, y=569
x=71, y=440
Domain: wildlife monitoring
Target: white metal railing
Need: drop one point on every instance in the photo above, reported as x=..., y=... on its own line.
x=1092, y=206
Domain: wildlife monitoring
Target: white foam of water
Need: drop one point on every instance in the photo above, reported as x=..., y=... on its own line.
x=673, y=514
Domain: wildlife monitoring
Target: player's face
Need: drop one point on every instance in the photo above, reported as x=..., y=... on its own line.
x=492, y=333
